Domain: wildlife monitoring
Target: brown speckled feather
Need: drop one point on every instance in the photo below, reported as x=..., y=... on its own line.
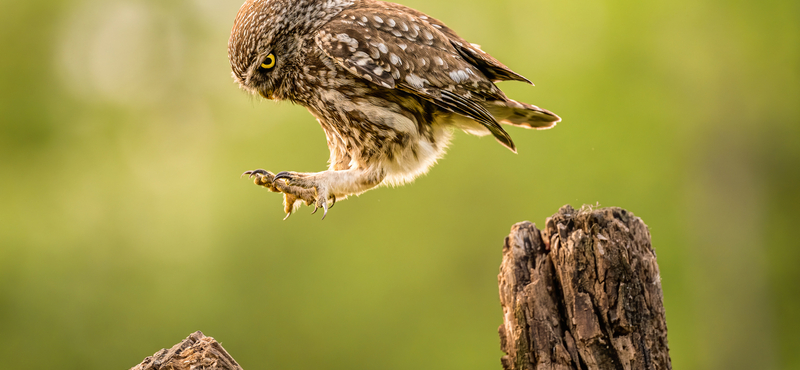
x=388, y=46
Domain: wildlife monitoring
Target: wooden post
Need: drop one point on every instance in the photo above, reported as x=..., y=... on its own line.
x=585, y=293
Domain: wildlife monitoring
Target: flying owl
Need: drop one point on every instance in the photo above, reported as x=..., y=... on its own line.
x=387, y=83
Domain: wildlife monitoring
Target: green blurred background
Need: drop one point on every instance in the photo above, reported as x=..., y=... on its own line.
x=124, y=225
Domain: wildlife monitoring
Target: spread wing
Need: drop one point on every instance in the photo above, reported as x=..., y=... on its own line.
x=399, y=48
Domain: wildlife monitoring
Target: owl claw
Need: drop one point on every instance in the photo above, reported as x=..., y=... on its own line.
x=255, y=172
x=324, y=205
x=262, y=178
x=325, y=209
x=284, y=175
x=298, y=186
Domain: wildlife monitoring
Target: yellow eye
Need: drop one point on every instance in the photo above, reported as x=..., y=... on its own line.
x=269, y=63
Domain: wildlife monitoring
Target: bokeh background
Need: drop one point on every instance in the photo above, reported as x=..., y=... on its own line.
x=124, y=225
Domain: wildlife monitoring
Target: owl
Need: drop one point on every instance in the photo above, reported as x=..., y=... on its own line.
x=387, y=83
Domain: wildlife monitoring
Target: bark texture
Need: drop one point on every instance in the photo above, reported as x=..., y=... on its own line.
x=195, y=352
x=585, y=293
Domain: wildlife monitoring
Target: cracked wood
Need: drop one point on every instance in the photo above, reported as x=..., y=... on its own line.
x=584, y=293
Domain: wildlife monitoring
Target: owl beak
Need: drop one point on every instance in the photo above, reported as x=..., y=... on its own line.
x=266, y=94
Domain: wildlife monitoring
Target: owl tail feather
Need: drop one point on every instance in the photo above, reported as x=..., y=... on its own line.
x=519, y=114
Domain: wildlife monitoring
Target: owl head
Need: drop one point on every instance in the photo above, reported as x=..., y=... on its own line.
x=269, y=36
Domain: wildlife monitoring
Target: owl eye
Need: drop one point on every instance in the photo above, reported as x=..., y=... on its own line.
x=269, y=63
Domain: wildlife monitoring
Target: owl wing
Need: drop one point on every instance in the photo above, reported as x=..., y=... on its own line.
x=397, y=48
x=472, y=53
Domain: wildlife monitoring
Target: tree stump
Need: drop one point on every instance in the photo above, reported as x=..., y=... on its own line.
x=195, y=352
x=585, y=293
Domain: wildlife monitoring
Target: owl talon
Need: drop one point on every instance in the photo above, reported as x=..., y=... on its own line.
x=296, y=188
x=262, y=178
x=255, y=172
x=322, y=201
x=325, y=209
x=284, y=175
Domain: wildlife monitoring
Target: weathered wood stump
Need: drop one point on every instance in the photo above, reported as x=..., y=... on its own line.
x=195, y=352
x=585, y=293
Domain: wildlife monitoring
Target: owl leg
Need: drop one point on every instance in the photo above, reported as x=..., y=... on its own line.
x=330, y=184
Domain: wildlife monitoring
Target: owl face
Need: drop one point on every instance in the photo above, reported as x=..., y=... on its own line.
x=268, y=37
x=256, y=51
